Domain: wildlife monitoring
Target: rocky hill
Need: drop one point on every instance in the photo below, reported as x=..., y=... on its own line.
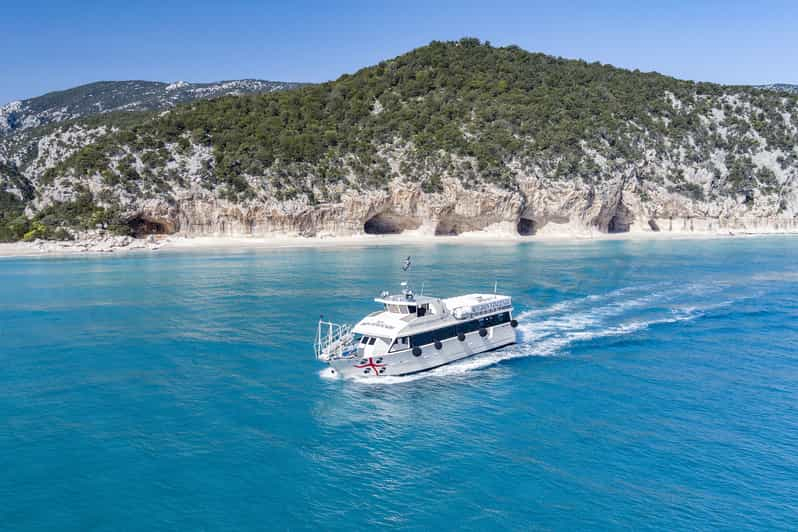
x=449, y=138
x=784, y=87
x=111, y=96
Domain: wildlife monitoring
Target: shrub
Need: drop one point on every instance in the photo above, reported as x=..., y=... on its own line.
x=37, y=231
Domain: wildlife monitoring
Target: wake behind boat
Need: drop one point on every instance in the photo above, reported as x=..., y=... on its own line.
x=416, y=333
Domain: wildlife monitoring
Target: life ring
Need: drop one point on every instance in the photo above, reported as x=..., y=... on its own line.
x=483, y=332
x=513, y=323
x=438, y=344
x=416, y=351
x=461, y=337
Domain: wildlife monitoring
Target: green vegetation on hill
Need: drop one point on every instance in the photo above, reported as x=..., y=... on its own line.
x=54, y=221
x=450, y=100
x=13, y=222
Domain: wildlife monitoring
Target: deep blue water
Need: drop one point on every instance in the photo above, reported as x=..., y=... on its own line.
x=655, y=386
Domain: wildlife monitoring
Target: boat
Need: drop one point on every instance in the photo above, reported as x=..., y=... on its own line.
x=411, y=334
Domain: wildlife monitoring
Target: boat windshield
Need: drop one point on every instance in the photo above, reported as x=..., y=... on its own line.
x=400, y=309
x=363, y=340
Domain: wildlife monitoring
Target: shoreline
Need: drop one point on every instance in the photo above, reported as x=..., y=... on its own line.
x=182, y=243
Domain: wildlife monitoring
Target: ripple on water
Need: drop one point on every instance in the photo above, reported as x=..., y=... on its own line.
x=652, y=386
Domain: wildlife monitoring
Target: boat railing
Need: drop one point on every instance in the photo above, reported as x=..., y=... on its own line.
x=334, y=340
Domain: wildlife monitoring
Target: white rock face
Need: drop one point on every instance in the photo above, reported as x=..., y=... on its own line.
x=540, y=207
x=176, y=85
x=57, y=146
x=404, y=207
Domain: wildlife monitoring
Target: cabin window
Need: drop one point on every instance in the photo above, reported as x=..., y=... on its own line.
x=411, y=309
x=464, y=327
x=372, y=340
x=495, y=319
x=399, y=344
x=422, y=310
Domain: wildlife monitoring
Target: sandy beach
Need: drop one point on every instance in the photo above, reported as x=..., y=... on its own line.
x=124, y=245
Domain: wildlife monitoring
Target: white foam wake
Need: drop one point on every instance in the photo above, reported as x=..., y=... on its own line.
x=329, y=374
x=550, y=331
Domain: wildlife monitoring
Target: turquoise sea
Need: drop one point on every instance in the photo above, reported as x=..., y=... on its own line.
x=655, y=386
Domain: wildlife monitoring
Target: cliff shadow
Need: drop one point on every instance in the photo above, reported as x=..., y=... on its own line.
x=453, y=225
x=526, y=227
x=615, y=218
x=390, y=223
x=142, y=226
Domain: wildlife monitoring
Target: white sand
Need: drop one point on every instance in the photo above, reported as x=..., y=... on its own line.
x=231, y=243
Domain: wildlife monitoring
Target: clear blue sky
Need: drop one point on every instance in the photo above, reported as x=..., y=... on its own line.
x=51, y=45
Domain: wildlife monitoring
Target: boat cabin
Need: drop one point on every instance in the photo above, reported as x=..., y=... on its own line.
x=408, y=321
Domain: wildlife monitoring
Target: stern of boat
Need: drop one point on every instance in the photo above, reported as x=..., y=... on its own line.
x=334, y=341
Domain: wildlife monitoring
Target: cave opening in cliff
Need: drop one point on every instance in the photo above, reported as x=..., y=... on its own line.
x=621, y=220
x=618, y=224
x=526, y=227
x=141, y=226
x=388, y=223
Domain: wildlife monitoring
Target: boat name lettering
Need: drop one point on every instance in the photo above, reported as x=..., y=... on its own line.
x=379, y=324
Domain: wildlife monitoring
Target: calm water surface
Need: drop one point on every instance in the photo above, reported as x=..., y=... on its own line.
x=655, y=385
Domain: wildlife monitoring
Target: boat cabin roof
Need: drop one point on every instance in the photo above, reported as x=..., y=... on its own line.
x=402, y=299
x=420, y=313
x=475, y=299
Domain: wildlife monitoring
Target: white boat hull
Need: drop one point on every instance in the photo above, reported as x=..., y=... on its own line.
x=404, y=362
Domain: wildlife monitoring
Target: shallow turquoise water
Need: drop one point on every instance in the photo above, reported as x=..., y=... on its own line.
x=655, y=386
